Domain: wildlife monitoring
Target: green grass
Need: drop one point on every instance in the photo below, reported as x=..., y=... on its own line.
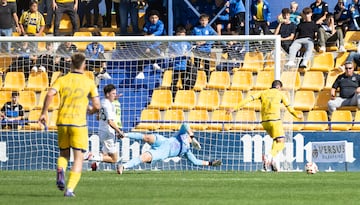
x=183, y=187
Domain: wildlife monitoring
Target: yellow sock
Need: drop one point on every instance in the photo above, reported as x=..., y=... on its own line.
x=74, y=179
x=276, y=148
x=62, y=162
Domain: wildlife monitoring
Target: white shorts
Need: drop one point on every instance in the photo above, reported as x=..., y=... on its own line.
x=108, y=143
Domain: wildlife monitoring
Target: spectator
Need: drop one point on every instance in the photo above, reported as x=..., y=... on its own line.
x=349, y=85
x=304, y=37
x=237, y=16
x=320, y=10
x=45, y=61
x=157, y=5
x=328, y=33
x=63, y=56
x=68, y=7
x=354, y=13
x=203, y=48
x=294, y=14
x=85, y=8
x=222, y=22
x=260, y=12
x=129, y=7
x=25, y=58
x=49, y=13
x=286, y=29
x=342, y=17
x=107, y=19
x=7, y=16
x=32, y=22
x=11, y=111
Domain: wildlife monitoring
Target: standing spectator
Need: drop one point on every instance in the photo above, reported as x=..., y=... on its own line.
x=260, y=12
x=222, y=22
x=21, y=6
x=304, y=37
x=286, y=29
x=49, y=13
x=11, y=111
x=7, y=17
x=32, y=22
x=129, y=7
x=107, y=17
x=342, y=16
x=68, y=7
x=63, y=56
x=85, y=8
x=354, y=12
x=203, y=48
x=320, y=10
x=237, y=16
x=349, y=85
x=328, y=33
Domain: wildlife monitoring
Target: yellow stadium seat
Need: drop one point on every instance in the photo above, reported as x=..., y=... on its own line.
x=34, y=117
x=313, y=80
x=52, y=121
x=208, y=100
x=166, y=79
x=5, y=62
x=341, y=116
x=172, y=115
x=341, y=59
x=152, y=115
x=304, y=100
x=89, y=74
x=245, y=120
x=27, y=99
x=161, y=99
x=55, y=103
x=264, y=80
x=230, y=99
x=217, y=119
x=330, y=79
x=219, y=80
x=290, y=80
x=37, y=81
x=201, y=117
x=357, y=120
x=108, y=46
x=5, y=96
x=184, y=99
x=242, y=80
x=14, y=81
x=65, y=24
x=288, y=117
x=253, y=61
x=41, y=45
x=351, y=39
x=201, y=80
x=322, y=100
x=317, y=116
x=254, y=105
x=323, y=62
x=269, y=62
x=54, y=76
x=82, y=45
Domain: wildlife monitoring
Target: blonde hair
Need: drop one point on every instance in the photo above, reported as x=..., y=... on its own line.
x=293, y=4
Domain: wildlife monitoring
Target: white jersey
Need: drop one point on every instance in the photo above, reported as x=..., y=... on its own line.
x=107, y=112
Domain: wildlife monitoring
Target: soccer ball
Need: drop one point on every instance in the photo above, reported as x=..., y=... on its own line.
x=311, y=168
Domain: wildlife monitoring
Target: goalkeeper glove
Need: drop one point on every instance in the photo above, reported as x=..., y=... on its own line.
x=215, y=163
x=120, y=134
x=195, y=144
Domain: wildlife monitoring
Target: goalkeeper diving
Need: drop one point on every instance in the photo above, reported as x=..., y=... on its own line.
x=271, y=100
x=163, y=148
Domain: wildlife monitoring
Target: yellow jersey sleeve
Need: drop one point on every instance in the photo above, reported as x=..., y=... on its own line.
x=248, y=99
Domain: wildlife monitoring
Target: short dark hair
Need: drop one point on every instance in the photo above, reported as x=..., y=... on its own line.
x=204, y=16
x=108, y=88
x=33, y=2
x=285, y=11
x=180, y=29
x=77, y=59
x=154, y=12
x=14, y=93
x=276, y=83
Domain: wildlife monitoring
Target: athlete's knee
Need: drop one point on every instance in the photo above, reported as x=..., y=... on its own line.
x=146, y=157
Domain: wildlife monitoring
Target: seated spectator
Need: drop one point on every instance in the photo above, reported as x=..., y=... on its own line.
x=286, y=29
x=319, y=9
x=32, y=22
x=295, y=16
x=45, y=61
x=63, y=56
x=328, y=33
x=222, y=22
x=304, y=37
x=11, y=112
x=25, y=58
x=354, y=13
x=341, y=16
x=349, y=85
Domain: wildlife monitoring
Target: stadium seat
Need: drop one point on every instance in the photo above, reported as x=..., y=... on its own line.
x=245, y=120
x=330, y=79
x=341, y=116
x=317, y=116
x=269, y=62
x=288, y=117
x=219, y=80
x=290, y=80
x=230, y=99
x=242, y=80
x=313, y=80
x=14, y=81
x=208, y=100
x=304, y=100
x=54, y=76
x=82, y=45
x=217, y=119
x=263, y=80
x=33, y=117
x=357, y=120
x=52, y=121
x=5, y=96
x=184, y=99
x=199, y=116
x=108, y=46
x=253, y=61
x=41, y=45
x=5, y=62
x=55, y=103
x=201, y=80
x=27, y=99
x=351, y=39
x=323, y=62
x=149, y=115
x=172, y=115
x=37, y=81
x=166, y=79
x=341, y=59
x=89, y=74
x=161, y=99
x=254, y=105
x=322, y=99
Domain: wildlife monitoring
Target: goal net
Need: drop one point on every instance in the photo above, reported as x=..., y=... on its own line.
x=162, y=82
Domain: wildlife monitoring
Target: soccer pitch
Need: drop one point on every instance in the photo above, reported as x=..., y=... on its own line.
x=183, y=187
